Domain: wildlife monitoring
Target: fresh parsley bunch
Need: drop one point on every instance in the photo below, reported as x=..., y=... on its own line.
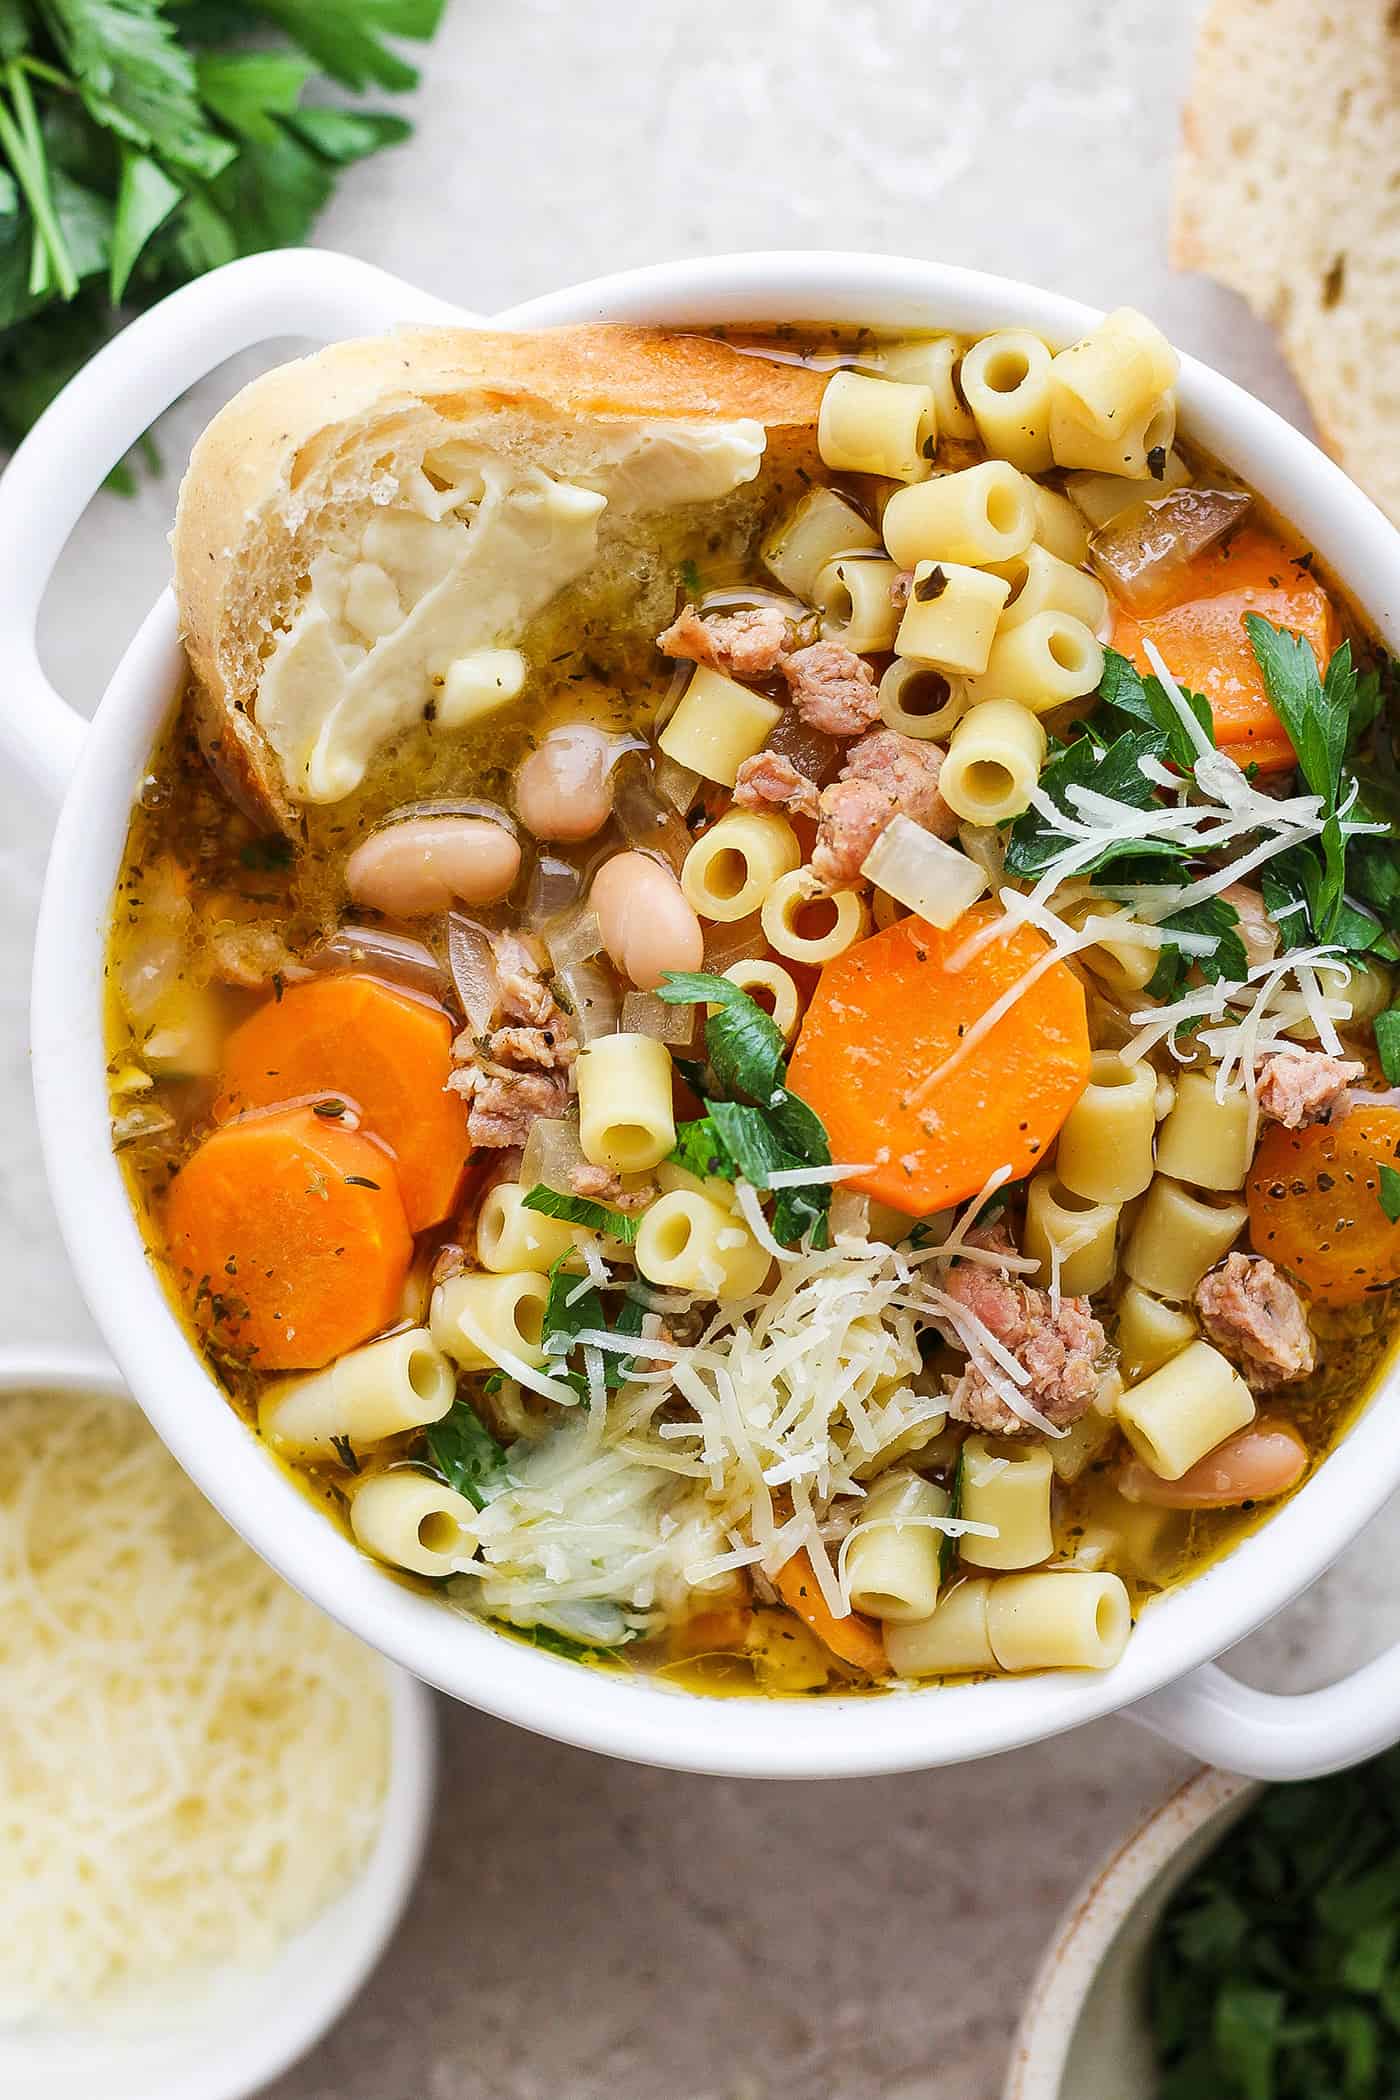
x=1275, y=1974
x=143, y=142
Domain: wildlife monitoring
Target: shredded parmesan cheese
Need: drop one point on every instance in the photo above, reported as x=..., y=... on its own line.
x=790, y=1402
x=192, y=1759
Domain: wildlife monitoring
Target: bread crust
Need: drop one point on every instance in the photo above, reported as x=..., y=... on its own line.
x=1288, y=191
x=261, y=465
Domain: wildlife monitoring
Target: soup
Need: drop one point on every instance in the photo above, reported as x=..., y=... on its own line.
x=818, y=1113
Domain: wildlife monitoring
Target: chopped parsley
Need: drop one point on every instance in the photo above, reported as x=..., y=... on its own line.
x=575, y=1307
x=466, y=1455
x=947, y=1544
x=1387, y=1027
x=1316, y=712
x=773, y=1130
x=1388, y=1194
x=581, y=1210
x=1228, y=959
x=1275, y=1972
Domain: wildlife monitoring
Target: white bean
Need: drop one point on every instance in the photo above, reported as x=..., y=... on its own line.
x=564, y=788
x=648, y=927
x=424, y=864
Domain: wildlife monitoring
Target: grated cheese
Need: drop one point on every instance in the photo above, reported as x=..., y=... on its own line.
x=192, y=1759
x=794, y=1399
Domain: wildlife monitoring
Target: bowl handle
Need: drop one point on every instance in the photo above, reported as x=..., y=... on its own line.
x=102, y=412
x=1279, y=1735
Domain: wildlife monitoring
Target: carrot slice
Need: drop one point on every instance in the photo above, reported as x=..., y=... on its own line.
x=856, y=1639
x=1314, y=1204
x=387, y=1051
x=889, y=1012
x=1205, y=644
x=288, y=1238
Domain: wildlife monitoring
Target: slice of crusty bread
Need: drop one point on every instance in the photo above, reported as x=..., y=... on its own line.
x=1288, y=190
x=308, y=451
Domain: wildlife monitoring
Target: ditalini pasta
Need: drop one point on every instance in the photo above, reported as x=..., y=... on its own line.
x=1006, y=384
x=951, y=618
x=751, y=1050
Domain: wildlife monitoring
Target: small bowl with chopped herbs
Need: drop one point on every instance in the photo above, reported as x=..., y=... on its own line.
x=1243, y=1943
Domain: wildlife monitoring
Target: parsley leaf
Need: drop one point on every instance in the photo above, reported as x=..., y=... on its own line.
x=1114, y=770
x=570, y=1312
x=1123, y=690
x=556, y=1643
x=136, y=149
x=578, y=1210
x=144, y=202
x=1229, y=959
x=1316, y=713
x=947, y=1544
x=1389, y=1192
x=774, y=1130
x=750, y=1140
x=702, y=1151
x=1387, y=1028
x=137, y=79
x=348, y=37
x=466, y=1455
x=744, y=1044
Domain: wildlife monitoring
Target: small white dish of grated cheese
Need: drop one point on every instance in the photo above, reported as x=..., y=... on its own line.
x=215, y=1801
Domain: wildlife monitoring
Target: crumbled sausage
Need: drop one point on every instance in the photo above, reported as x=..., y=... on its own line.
x=523, y=1069
x=251, y=956
x=907, y=768
x=505, y=1104
x=851, y=816
x=1064, y=1350
x=768, y=780
x=1298, y=1087
x=600, y=1185
x=901, y=585
x=743, y=644
x=542, y=1049
x=832, y=688
x=1257, y=1318
x=520, y=971
x=885, y=775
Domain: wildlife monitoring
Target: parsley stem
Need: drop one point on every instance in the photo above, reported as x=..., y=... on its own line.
x=23, y=145
x=45, y=72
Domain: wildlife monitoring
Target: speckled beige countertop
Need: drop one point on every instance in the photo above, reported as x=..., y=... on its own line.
x=587, y=1930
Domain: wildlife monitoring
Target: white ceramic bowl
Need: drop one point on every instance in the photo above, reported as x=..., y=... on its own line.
x=1084, y=2034
x=251, y=2025
x=96, y=771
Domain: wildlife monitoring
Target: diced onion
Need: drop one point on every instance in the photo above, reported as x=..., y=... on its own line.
x=472, y=961
x=675, y=783
x=552, y=1153
x=647, y=821
x=554, y=888
x=574, y=937
x=390, y=954
x=740, y=941
x=922, y=871
x=644, y=1014
x=814, y=754
x=1140, y=553
x=593, y=998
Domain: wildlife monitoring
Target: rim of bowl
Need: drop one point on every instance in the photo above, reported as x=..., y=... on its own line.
x=373, y=1904
x=1094, y=1916
x=643, y=1718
